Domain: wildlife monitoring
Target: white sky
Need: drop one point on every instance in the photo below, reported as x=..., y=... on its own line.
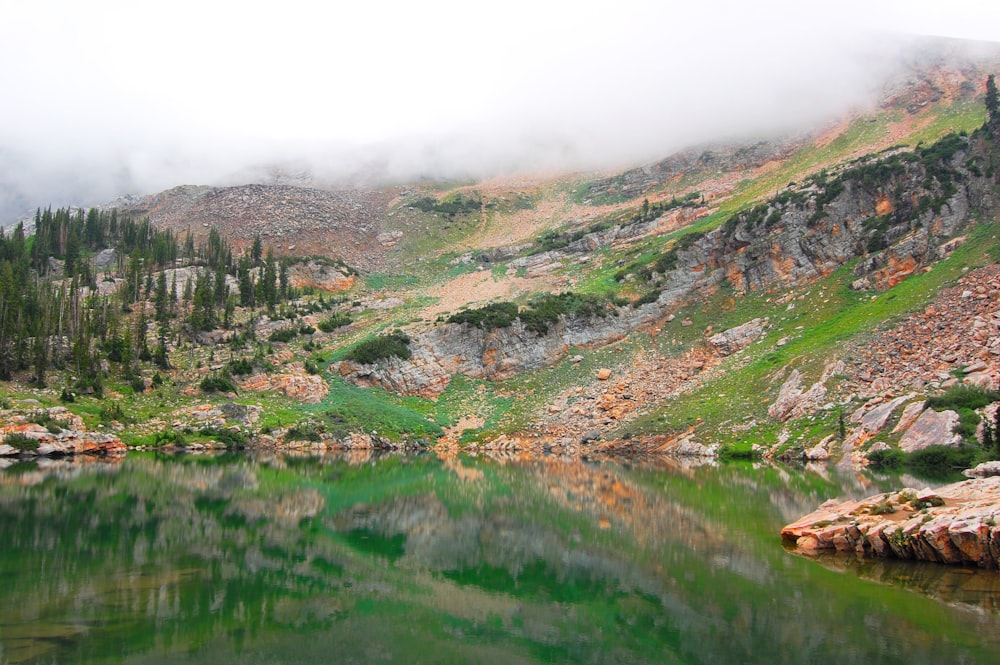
x=153, y=95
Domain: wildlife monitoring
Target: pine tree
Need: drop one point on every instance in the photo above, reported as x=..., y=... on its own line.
x=992, y=101
x=256, y=250
x=162, y=298
x=996, y=432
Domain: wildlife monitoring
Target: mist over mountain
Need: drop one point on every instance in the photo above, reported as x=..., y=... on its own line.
x=361, y=97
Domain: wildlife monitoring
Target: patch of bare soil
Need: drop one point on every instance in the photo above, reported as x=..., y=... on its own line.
x=479, y=287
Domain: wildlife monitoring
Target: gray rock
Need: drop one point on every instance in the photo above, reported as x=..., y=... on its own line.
x=107, y=258
x=984, y=470
x=874, y=421
x=932, y=428
x=736, y=339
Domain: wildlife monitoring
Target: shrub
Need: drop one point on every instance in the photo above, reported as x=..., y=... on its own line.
x=883, y=508
x=20, y=441
x=218, y=383
x=113, y=412
x=546, y=309
x=488, y=317
x=240, y=367
x=283, y=335
x=380, y=347
x=890, y=458
x=229, y=438
x=137, y=384
x=646, y=298
x=168, y=436
x=963, y=396
x=306, y=329
x=334, y=321
x=930, y=502
x=304, y=432
x=939, y=461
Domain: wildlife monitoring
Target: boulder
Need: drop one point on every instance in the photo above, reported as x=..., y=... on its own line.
x=874, y=420
x=932, y=428
x=736, y=339
x=984, y=470
x=910, y=415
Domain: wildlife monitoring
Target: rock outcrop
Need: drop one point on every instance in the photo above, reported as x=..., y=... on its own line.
x=498, y=354
x=896, y=212
x=956, y=524
x=293, y=381
x=320, y=275
x=793, y=401
x=65, y=435
x=931, y=428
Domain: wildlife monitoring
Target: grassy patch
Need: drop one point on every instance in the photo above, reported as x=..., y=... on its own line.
x=381, y=281
x=349, y=408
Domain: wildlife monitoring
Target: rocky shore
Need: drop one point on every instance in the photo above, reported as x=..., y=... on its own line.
x=955, y=524
x=63, y=434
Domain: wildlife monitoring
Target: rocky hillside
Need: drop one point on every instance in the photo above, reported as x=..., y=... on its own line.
x=722, y=298
x=894, y=213
x=294, y=220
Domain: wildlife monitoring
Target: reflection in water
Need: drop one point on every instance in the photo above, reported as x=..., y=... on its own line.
x=285, y=559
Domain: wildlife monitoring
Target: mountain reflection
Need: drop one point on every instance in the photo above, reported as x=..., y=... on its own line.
x=286, y=559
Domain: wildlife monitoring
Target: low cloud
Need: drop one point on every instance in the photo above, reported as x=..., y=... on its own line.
x=119, y=97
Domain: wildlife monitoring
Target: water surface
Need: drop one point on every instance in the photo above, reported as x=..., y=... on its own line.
x=418, y=560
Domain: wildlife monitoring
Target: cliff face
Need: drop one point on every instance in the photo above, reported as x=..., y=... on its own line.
x=895, y=214
x=451, y=349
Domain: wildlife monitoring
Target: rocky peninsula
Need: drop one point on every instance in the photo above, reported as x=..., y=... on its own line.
x=955, y=524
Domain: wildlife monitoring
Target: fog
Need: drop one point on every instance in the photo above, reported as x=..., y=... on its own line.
x=105, y=98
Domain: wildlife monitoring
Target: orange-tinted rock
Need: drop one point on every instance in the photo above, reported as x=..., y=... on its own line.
x=959, y=532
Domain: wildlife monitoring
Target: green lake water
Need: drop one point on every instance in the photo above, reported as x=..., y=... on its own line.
x=417, y=560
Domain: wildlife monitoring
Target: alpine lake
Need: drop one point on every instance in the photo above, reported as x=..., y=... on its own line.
x=417, y=559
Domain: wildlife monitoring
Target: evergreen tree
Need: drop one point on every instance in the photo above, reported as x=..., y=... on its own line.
x=283, y=282
x=72, y=253
x=162, y=309
x=246, y=282
x=268, y=282
x=256, y=250
x=142, y=346
x=992, y=101
x=173, y=293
